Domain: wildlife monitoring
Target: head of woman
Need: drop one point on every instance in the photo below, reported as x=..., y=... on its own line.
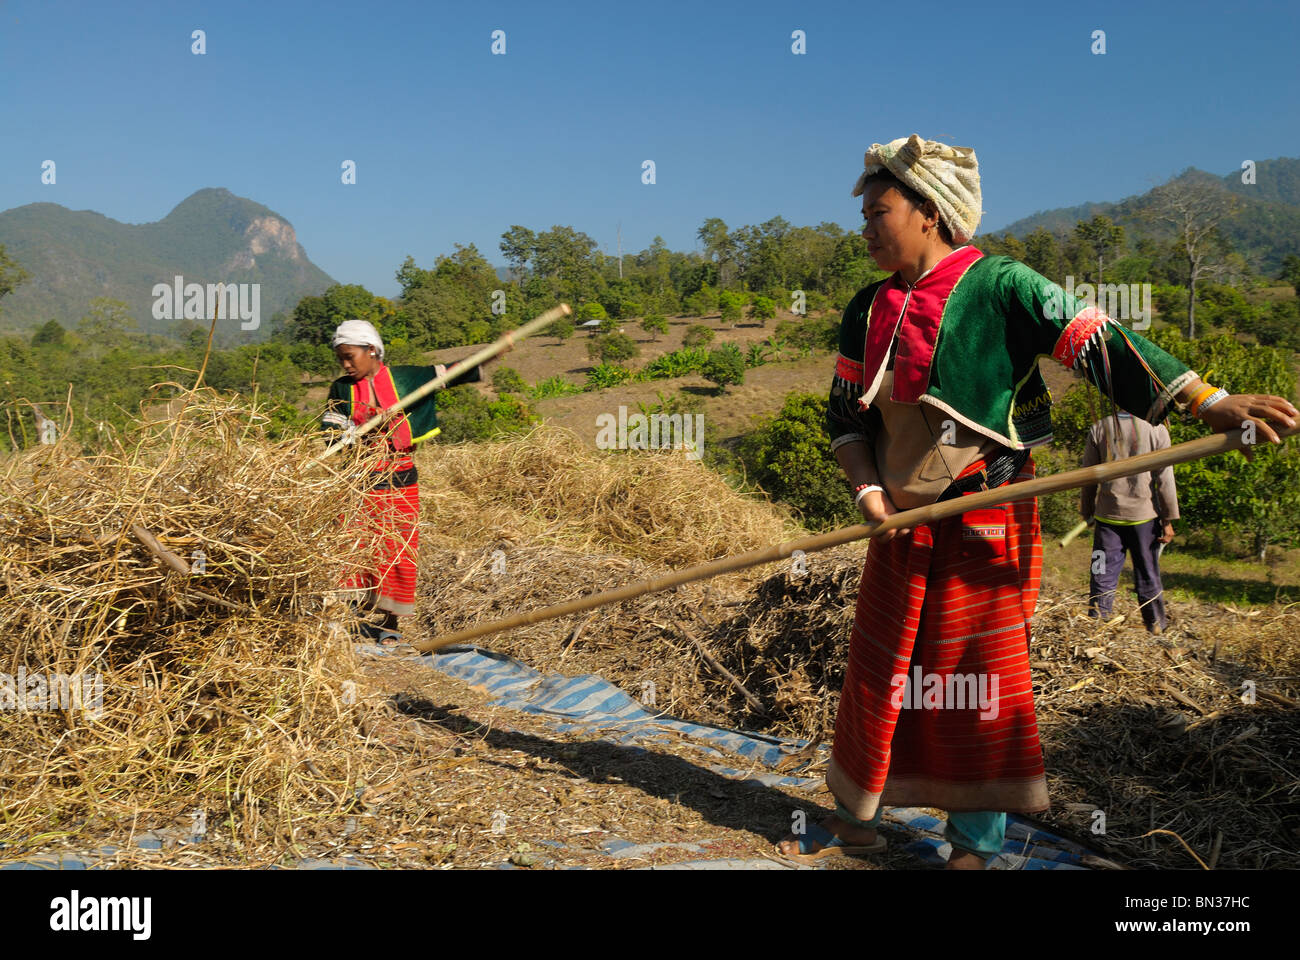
x=357, y=360
x=903, y=230
x=919, y=197
x=358, y=348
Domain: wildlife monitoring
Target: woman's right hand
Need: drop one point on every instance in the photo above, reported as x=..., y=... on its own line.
x=875, y=508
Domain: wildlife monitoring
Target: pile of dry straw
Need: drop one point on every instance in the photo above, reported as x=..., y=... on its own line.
x=218, y=696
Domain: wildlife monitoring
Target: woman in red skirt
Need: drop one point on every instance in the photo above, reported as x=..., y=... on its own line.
x=936, y=395
x=389, y=537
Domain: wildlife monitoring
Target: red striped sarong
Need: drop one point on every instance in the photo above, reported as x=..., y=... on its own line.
x=955, y=599
x=389, y=538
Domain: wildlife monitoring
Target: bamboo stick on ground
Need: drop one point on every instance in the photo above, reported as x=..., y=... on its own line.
x=1008, y=493
x=158, y=550
x=722, y=671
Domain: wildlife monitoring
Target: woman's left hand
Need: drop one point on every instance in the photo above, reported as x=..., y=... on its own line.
x=1238, y=409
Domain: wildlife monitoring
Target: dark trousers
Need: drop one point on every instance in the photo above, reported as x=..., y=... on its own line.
x=1109, y=544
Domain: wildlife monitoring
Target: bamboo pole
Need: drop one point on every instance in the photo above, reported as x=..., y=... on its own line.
x=507, y=339
x=1075, y=530
x=1008, y=493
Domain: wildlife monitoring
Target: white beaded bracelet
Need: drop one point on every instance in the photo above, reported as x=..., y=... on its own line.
x=869, y=488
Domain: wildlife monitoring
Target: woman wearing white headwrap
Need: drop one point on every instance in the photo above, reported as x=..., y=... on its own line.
x=937, y=394
x=390, y=536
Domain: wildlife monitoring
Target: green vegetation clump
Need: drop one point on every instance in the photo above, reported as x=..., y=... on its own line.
x=508, y=380
x=607, y=375
x=678, y=363
x=613, y=348
x=789, y=457
x=725, y=366
x=697, y=335
x=555, y=386
x=465, y=414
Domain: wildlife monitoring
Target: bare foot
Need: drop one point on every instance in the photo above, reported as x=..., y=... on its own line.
x=850, y=834
x=964, y=860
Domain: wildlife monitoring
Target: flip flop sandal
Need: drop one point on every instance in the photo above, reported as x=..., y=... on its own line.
x=380, y=635
x=830, y=846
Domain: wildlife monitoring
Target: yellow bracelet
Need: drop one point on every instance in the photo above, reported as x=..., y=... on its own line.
x=1195, y=403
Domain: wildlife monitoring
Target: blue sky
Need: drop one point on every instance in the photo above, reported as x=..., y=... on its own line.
x=455, y=144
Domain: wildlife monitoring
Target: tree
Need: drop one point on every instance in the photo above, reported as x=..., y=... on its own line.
x=1043, y=253
x=411, y=277
x=11, y=274
x=518, y=245
x=730, y=304
x=591, y=311
x=789, y=456
x=719, y=249
x=613, y=348
x=508, y=380
x=1259, y=498
x=697, y=335
x=314, y=319
x=764, y=310
x=622, y=299
x=726, y=365
x=561, y=329
x=702, y=302
x=655, y=324
x=1103, y=236
x=49, y=334
x=107, y=325
x=1013, y=248
x=1291, y=271
x=1196, y=209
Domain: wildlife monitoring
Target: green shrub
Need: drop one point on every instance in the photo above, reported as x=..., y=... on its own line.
x=731, y=305
x=555, y=386
x=702, y=302
x=607, y=375
x=591, y=311
x=508, y=380
x=697, y=335
x=789, y=456
x=758, y=354
x=613, y=347
x=465, y=414
x=678, y=363
x=725, y=366
x=561, y=329
x=655, y=325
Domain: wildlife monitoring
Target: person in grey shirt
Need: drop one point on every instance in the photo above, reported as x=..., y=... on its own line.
x=1134, y=515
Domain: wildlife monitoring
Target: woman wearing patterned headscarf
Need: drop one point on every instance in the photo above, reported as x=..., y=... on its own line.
x=937, y=394
x=390, y=531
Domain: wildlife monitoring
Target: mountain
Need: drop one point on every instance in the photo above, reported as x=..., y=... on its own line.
x=1265, y=228
x=212, y=236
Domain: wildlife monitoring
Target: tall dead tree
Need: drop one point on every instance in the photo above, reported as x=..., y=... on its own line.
x=1196, y=208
